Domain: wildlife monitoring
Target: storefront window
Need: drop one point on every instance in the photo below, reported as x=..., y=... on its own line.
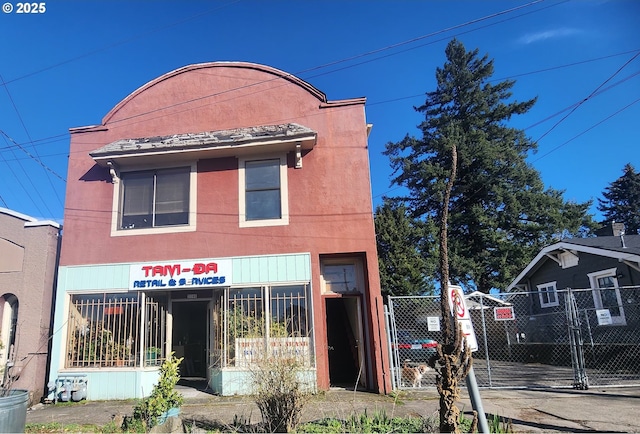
x=254, y=323
x=104, y=330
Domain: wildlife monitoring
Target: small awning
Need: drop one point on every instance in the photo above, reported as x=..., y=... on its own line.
x=211, y=144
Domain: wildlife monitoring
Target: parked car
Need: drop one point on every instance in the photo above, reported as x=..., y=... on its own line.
x=413, y=349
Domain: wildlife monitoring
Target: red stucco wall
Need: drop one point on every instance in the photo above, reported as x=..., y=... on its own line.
x=330, y=205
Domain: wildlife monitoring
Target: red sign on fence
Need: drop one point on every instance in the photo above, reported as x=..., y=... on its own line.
x=503, y=313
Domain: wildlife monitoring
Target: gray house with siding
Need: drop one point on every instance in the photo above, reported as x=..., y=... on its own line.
x=600, y=278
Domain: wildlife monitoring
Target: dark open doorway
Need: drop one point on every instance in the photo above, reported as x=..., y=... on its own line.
x=346, y=367
x=189, y=337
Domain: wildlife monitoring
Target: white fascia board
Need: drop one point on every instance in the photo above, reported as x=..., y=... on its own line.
x=563, y=245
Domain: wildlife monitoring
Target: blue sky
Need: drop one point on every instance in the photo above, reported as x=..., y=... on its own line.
x=70, y=65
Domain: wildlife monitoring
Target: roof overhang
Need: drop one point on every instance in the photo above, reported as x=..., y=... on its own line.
x=551, y=251
x=204, y=145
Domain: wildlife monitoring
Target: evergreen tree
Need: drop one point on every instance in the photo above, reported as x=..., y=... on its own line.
x=500, y=213
x=405, y=261
x=621, y=201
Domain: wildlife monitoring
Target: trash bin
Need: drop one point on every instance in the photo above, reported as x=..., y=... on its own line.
x=13, y=410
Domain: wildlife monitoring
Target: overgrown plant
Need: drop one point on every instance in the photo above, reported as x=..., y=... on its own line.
x=279, y=393
x=164, y=397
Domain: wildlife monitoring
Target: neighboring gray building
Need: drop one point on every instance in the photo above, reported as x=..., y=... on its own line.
x=28, y=263
x=600, y=277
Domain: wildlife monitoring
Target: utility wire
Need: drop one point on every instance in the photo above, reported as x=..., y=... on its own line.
x=37, y=157
x=345, y=59
x=588, y=129
x=552, y=150
x=121, y=42
x=65, y=136
x=47, y=168
x=590, y=96
x=26, y=192
x=326, y=65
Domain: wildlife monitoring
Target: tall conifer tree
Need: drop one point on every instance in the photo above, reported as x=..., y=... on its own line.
x=500, y=212
x=621, y=201
x=405, y=255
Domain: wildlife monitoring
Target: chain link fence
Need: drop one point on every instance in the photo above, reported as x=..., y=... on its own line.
x=579, y=338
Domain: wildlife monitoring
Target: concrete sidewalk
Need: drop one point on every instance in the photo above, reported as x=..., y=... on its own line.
x=557, y=410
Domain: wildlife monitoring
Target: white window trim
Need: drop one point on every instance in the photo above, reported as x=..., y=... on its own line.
x=284, y=193
x=597, y=300
x=115, y=205
x=555, y=293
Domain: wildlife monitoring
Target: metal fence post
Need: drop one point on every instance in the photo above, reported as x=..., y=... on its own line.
x=484, y=335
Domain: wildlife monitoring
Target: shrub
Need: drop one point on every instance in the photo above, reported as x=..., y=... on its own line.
x=164, y=397
x=278, y=392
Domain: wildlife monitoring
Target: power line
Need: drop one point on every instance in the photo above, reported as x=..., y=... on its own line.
x=590, y=96
x=37, y=158
x=65, y=136
x=326, y=65
x=588, y=129
x=18, y=179
x=47, y=168
x=334, y=62
x=121, y=42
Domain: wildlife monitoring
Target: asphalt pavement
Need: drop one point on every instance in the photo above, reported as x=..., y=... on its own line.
x=601, y=410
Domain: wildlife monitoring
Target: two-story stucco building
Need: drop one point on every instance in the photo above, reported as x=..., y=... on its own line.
x=222, y=212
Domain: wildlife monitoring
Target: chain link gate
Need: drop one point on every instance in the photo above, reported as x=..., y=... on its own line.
x=568, y=343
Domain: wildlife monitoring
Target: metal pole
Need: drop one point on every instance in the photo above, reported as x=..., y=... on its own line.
x=484, y=335
x=476, y=402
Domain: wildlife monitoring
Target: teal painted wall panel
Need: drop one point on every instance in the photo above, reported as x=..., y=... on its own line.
x=113, y=384
x=230, y=382
x=96, y=277
x=271, y=269
x=246, y=271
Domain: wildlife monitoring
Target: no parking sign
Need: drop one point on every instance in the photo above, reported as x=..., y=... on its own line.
x=461, y=313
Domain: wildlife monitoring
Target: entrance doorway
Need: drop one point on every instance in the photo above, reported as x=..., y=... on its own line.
x=189, y=338
x=345, y=341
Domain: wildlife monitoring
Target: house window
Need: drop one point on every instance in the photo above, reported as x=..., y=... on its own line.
x=548, y=295
x=257, y=322
x=263, y=192
x=155, y=201
x=104, y=330
x=606, y=294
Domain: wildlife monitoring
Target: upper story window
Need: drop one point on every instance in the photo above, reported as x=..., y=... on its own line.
x=548, y=295
x=155, y=198
x=155, y=201
x=263, y=192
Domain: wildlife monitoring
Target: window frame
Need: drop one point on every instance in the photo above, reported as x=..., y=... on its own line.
x=147, y=344
x=284, y=192
x=260, y=318
x=357, y=271
x=543, y=289
x=118, y=190
x=618, y=320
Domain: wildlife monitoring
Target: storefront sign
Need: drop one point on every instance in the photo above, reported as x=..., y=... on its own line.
x=180, y=275
x=250, y=351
